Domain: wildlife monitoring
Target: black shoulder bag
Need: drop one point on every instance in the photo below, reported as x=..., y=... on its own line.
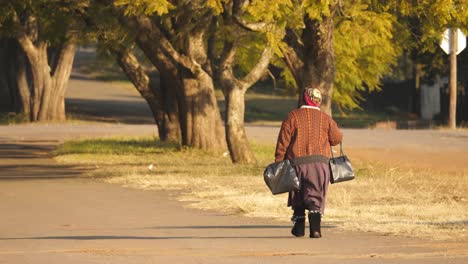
x=340, y=167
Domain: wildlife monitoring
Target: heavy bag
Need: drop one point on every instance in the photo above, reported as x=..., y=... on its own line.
x=281, y=177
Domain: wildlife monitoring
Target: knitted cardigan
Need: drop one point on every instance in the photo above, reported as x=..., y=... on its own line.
x=307, y=131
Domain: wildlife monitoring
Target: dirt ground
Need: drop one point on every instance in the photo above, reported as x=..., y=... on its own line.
x=51, y=215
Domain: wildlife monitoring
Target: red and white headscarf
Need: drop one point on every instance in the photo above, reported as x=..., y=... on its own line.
x=312, y=97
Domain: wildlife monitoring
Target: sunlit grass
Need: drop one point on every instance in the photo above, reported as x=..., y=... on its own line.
x=115, y=146
x=384, y=198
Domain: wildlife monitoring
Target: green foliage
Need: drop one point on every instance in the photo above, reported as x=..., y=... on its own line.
x=420, y=25
x=270, y=11
x=146, y=7
x=288, y=78
x=317, y=9
x=54, y=18
x=215, y=5
x=277, y=15
x=365, y=51
x=363, y=40
x=248, y=52
x=427, y=20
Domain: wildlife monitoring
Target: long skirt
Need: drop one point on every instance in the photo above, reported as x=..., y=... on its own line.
x=314, y=178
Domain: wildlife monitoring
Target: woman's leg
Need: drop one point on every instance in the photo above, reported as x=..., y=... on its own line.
x=315, y=219
x=298, y=219
x=315, y=192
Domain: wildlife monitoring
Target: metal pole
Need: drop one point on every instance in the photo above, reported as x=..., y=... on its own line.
x=453, y=79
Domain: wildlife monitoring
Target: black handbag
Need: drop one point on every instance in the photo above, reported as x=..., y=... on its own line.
x=281, y=177
x=340, y=167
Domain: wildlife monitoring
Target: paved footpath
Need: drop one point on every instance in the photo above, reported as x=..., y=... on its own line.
x=48, y=214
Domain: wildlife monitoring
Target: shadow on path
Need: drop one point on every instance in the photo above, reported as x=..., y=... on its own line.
x=109, y=111
x=32, y=160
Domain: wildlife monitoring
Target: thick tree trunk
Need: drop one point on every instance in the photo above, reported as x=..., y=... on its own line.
x=237, y=141
x=171, y=127
x=48, y=83
x=204, y=127
x=51, y=99
x=200, y=119
x=148, y=90
x=49, y=86
x=203, y=124
x=170, y=89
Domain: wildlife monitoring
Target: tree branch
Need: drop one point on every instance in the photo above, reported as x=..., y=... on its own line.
x=146, y=25
x=252, y=26
x=258, y=70
x=26, y=43
x=293, y=61
x=294, y=41
x=132, y=68
x=228, y=55
x=211, y=45
x=237, y=12
x=65, y=60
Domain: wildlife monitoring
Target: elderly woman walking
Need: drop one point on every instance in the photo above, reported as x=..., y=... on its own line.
x=305, y=138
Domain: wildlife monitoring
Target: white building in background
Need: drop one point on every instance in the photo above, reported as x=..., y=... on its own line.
x=430, y=98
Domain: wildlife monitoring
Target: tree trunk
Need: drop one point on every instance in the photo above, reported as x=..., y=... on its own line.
x=237, y=141
x=171, y=128
x=319, y=68
x=22, y=83
x=169, y=88
x=204, y=127
x=147, y=89
x=203, y=124
x=60, y=77
x=312, y=60
x=200, y=119
x=234, y=93
x=48, y=83
x=48, y=91
x=52, y=99
x=42, y=82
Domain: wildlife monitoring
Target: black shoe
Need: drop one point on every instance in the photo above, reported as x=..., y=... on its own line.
x=314, y=224
x=298, y=229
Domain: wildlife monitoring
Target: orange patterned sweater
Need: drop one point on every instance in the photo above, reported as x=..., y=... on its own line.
x=307, y=131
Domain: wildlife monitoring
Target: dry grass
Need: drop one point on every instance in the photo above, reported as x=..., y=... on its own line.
x=382, y=199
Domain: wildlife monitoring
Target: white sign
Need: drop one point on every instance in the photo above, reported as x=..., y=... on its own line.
x=445, y=42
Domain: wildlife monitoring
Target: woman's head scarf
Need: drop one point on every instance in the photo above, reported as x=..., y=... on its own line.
x=312, y=96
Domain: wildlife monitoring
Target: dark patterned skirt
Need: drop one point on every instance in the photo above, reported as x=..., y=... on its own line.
x=314, y=177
